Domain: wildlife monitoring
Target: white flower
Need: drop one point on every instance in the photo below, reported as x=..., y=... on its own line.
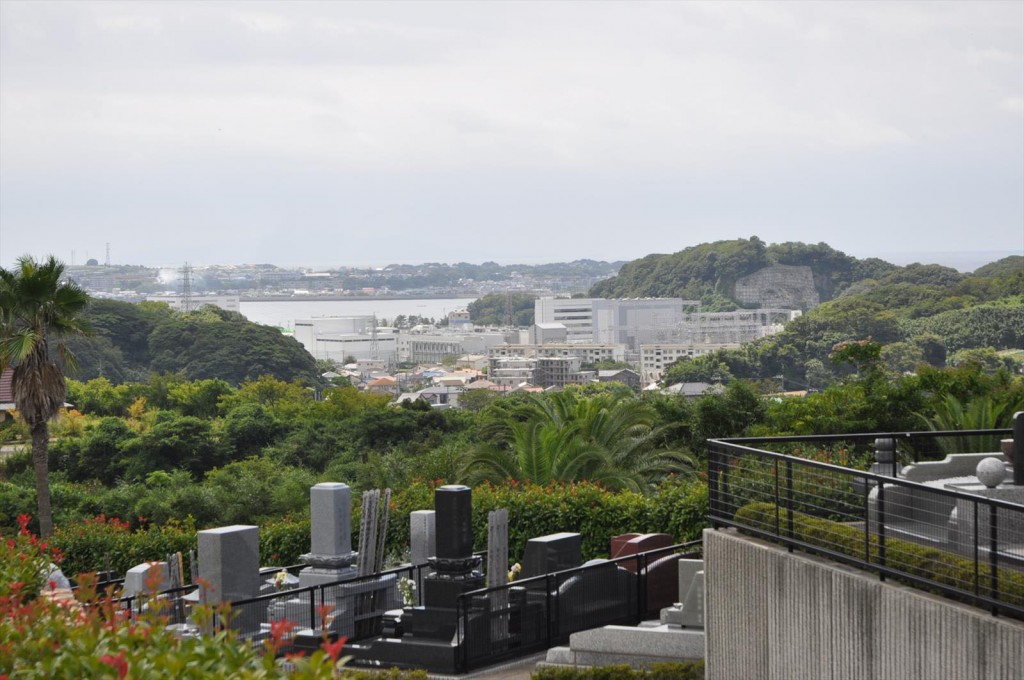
x=280, y=579
x=406, y=588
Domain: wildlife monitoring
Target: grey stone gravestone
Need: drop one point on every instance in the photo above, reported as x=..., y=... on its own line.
x=229, y=563
x=422, y=536
x=135, y=578
x=689, y=611
x=330, y=536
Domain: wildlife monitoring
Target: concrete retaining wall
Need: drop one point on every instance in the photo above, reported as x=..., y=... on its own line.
x=774, y=615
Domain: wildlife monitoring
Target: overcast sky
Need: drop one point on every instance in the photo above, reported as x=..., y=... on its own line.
x=367, y=133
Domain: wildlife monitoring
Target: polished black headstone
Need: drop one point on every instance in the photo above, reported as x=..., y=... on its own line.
x=553, y=552
x=454, y=521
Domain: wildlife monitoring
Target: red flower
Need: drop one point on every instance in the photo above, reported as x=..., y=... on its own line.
x=280, y=628
x=333, y=649
x=117, y=662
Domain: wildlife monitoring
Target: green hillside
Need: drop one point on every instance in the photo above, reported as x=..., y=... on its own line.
x=918, y=314
x=709, y=271
x=129, y=342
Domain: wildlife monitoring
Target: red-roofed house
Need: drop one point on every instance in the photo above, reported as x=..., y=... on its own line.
x=384, y=385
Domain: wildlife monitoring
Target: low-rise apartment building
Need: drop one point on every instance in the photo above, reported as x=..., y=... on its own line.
x=655, y=359
x=587, y=353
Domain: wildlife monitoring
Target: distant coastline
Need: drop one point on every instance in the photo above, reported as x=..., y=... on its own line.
x=342, y=298
x=965, y=262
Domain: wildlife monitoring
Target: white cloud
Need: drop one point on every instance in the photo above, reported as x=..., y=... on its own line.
x=410, y=89
x=1012, y=104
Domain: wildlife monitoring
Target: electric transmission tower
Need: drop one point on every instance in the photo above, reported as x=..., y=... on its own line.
x=186, y=288
x=509, y=318
x=374, y=345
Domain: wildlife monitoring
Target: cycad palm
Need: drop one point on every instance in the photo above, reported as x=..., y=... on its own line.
x=564, y=438
x=35, y=308
x=987, y=412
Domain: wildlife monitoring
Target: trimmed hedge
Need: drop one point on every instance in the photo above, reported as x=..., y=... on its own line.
x=676, y=670
x=917, y=560
x=678, y=508
x=389, y=674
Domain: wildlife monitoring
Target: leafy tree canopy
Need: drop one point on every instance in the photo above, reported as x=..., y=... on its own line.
x=132, y=341
x=492, y=309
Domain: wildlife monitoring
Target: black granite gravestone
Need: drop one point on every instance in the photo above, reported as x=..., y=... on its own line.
x=553, y=552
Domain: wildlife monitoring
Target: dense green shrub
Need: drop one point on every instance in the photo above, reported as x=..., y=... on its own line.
x=921, y=561
x=97, y=543
x=282, y=541
x=676, y=670
x=678, y=508
x=389, y=674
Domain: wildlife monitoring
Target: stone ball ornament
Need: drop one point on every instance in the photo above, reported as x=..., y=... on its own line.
x=991, y=472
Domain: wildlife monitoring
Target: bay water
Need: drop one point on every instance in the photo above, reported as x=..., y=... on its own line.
x=283, y=313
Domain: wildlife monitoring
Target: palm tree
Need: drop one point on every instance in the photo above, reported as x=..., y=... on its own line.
x=562, y=437
x=35, y=308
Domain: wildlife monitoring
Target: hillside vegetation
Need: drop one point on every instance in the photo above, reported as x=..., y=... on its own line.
x=129, y=342
x=918, y=314
x=709, y=271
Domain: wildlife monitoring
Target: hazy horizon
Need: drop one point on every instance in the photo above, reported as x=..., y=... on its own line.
x=963, y=261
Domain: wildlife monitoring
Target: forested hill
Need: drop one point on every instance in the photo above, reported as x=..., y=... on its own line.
x=913, y=315
x=129, y=342
x=709, y=271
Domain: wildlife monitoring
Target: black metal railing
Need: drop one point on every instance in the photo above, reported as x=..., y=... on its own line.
x=939, y=534
x=523, y=617
x=365, y=600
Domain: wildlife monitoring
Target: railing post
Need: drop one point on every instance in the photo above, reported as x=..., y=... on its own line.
x=977, y=541
x=641, y=587
x=312, y=606
x=993, y=556
x=1018, y=448
x=789, y=503
x=867, y=520
x=775, y=464
x=881, y=527
x=713, y=501
x=547, y=591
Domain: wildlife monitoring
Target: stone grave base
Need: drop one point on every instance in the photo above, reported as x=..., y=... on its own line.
x=639, y=647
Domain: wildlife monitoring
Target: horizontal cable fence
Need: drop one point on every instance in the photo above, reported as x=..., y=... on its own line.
x=932, y=526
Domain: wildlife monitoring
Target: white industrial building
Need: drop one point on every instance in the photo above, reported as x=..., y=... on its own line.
x=629, y=322
x=338, y=337
x=422, y=348
x=646, y=321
